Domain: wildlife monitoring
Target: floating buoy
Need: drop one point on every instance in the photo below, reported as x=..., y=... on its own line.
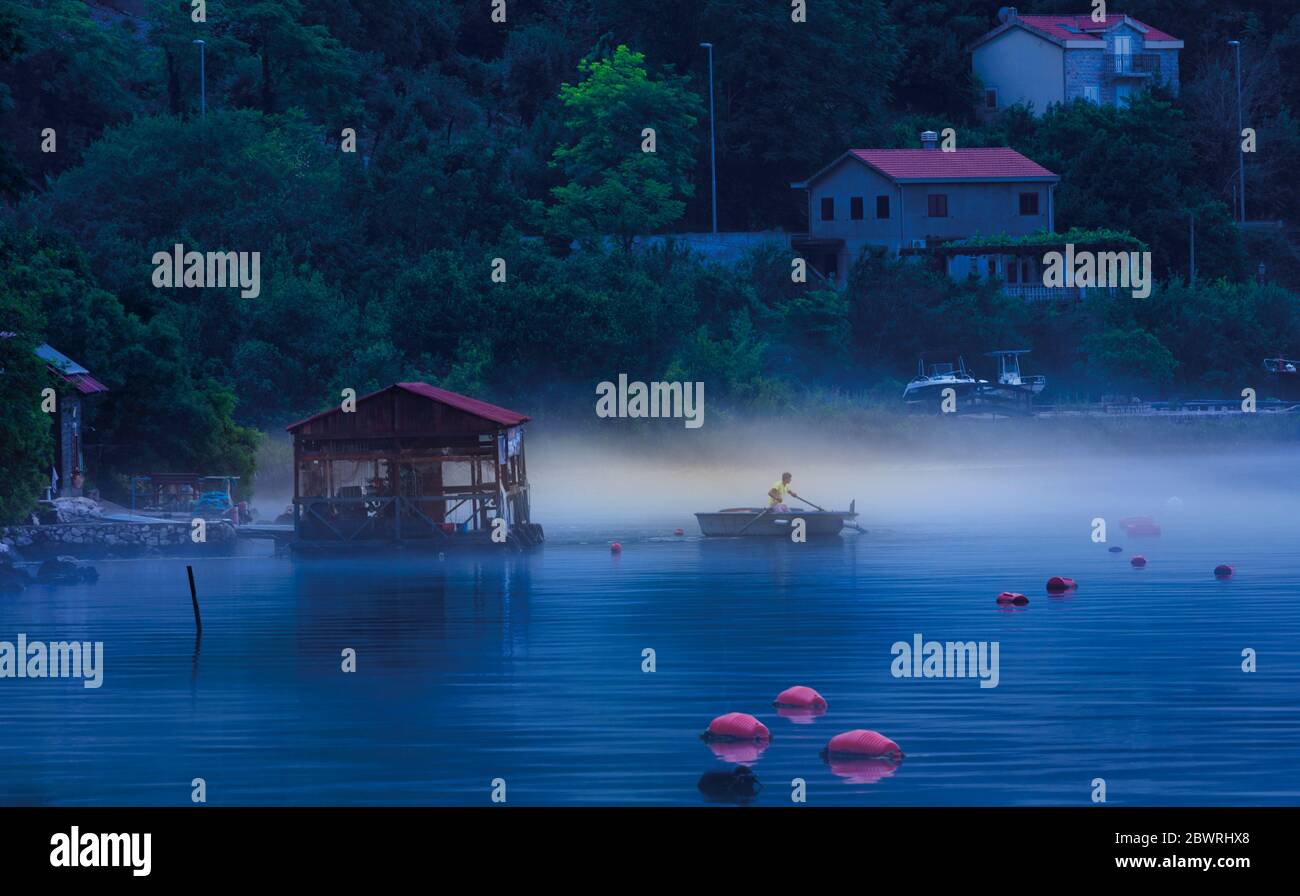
x=1012, y=597
x=679, y=531
x=737, y=726
x=1116, y=549
x=1138, y=561
x=800, y=697
x=1057, y=584
x=1140, y=526
x=1223, y=571
x=615, y=548
x=863, y=744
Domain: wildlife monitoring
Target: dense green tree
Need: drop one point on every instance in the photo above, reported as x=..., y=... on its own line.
x=163, y=410
x=297, y=63
x=1221, y=332
x=1128, y=169
x=617, y=183
x=1131, y=360
x=934, y=74
x=61, y=69
x=731, y=363
x=12, y=179
x=26, y=443
x=238, y=181
x=789, y=96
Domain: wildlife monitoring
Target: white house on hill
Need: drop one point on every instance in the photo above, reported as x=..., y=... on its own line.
x=1040, y=60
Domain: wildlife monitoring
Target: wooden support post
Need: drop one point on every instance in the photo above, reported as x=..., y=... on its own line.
x=395, y=478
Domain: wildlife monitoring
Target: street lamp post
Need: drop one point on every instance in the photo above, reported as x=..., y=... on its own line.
x=713, y=158
x=203, y=79
x=1241, y=154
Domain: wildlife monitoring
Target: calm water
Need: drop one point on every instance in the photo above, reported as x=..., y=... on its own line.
x=530, y=669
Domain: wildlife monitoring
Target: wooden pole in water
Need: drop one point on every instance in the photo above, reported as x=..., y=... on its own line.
x=194, y=599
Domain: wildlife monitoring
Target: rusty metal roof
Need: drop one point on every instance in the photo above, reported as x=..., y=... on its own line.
x=474, y=406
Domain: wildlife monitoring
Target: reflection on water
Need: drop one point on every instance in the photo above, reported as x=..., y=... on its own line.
x=742, y=752
x=531, y=668
x=862, y=771
x=740, y=786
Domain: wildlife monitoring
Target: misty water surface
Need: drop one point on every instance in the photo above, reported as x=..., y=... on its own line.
x=529, y=668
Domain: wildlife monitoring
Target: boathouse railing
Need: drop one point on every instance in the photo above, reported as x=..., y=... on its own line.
x=381, y=517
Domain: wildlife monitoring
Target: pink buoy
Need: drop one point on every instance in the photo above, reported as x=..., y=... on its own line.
x=679, y=532
x=863, y=744
x=615, y=548
x=800, y=697
x=1138, y=561
x=1140, y=526
x=1223, y=571
x=737, y=726
x=1057, y=584
x=1012, y=597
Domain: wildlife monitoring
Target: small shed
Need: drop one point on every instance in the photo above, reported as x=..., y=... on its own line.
x=69, y=473
x=412, y=464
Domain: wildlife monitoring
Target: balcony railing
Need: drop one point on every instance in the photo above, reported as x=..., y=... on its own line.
x=1038, y=292
x=1131, y=65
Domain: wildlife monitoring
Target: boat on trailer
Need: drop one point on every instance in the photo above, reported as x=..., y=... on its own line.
x=747, y=521
x=1010, y=379
x=927, y=388
x=1285, y=376
x=1013, y=391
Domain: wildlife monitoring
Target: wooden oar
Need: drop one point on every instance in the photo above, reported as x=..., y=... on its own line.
x=755, y=519
x=806, y=501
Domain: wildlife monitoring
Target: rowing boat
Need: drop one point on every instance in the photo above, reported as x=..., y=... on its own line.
x=749, y=521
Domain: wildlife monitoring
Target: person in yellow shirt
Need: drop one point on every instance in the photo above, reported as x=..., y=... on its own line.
x=776, y=495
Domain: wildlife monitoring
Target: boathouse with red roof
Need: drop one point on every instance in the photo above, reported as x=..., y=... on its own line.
x=412, y=464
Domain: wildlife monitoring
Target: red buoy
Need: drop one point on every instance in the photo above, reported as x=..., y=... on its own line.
x=737, y=726
x=863, y=744
x=1057, y=584
x=615, y=548
x=679, y=531
x=1139, y=561
x=800, y=697
x=1223, y=571
x=1012, y=597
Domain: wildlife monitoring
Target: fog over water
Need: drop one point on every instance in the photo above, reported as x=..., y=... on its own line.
x=531, y=667
x=972, y=472
x=965, y=475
